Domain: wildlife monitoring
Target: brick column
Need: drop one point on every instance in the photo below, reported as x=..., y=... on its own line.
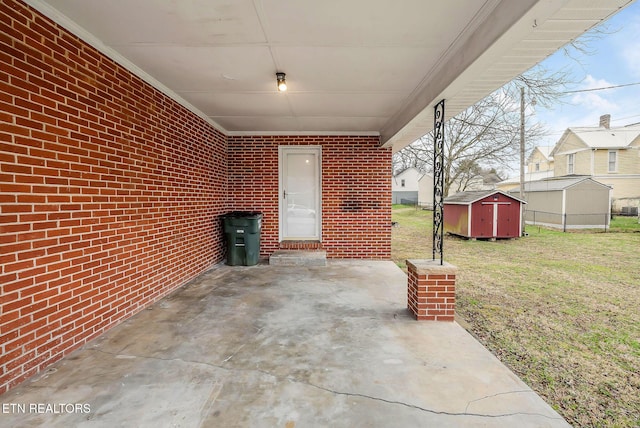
x=431, y=291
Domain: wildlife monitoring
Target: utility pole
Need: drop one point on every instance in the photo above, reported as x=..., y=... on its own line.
x=522, y=151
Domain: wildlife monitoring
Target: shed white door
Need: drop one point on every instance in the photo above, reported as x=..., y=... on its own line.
x=300, y=214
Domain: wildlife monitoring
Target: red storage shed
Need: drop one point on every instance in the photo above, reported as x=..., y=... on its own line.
x=483, y=214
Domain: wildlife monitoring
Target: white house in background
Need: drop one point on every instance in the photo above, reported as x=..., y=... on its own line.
x=425, y=191
x=404, y=186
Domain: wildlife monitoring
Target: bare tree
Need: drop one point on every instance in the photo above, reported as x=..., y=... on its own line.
x=583, y=45
x=410, y=157
x=487, y=134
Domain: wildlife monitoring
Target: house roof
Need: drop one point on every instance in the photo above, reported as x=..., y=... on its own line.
x=407, y=171
x=356, y=67
x=491, y=178
x=471, y=196
x=607, y=137
x=555, y=184
x=544, y=151
x=602, y=138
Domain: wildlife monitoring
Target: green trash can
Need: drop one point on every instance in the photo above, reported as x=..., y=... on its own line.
x=242, y=232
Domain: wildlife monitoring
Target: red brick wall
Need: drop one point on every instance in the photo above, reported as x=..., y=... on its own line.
x=431, y=290
x=356, y=191
x=109, y=193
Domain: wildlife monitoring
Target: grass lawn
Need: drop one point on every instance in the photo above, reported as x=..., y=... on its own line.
x=562, y=310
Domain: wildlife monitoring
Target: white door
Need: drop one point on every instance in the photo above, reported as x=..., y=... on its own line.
x=299, y=193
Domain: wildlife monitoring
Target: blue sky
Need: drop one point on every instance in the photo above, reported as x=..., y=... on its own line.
x=616, y=61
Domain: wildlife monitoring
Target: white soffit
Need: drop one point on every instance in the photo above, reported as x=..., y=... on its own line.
x=541, y=31
x=359, y=67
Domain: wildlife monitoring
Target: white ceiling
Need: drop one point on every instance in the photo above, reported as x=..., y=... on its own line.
x=370, y=67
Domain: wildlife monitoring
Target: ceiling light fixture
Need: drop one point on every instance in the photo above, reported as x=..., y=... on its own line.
x=282, y=83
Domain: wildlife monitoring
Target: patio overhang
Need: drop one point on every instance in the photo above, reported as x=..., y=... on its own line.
x=358, y=67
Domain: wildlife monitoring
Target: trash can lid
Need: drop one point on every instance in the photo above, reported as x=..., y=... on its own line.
x=242, y=214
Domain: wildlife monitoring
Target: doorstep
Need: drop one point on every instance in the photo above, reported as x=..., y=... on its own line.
x=298, y=258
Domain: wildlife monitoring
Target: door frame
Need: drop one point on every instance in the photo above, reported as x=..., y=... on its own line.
x=282, y=205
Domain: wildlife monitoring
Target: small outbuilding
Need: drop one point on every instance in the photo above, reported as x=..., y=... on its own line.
x=569, y=202
x=483, y=214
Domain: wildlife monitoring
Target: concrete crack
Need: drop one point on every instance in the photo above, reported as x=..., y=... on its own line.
x=212, y=365
x=354, y=394
x=528, y=391
x=424, y=409
x=234, y=354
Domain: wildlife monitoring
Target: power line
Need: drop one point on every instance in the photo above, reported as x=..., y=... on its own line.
x=600, y=89
x=624, y=118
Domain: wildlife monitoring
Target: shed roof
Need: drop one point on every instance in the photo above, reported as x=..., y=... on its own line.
x=555, y=184
x=471, y=196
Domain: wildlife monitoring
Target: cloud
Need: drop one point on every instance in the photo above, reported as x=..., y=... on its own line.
x=591, y=82
x=595, y=102
x=616, y=61
x=583, y=108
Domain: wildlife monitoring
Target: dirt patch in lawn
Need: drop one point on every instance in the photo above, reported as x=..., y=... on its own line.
x=562, y=310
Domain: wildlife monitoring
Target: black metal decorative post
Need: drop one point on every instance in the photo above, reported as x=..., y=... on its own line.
x=438, y=180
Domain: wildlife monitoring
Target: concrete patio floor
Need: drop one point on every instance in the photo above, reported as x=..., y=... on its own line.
x=274, y=346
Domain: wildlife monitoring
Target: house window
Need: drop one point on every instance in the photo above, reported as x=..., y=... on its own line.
x=570, y=161
x=402, y=183
x=537, y=166
x=613, y=161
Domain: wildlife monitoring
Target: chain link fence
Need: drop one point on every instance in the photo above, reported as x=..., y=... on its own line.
x=567, y=221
